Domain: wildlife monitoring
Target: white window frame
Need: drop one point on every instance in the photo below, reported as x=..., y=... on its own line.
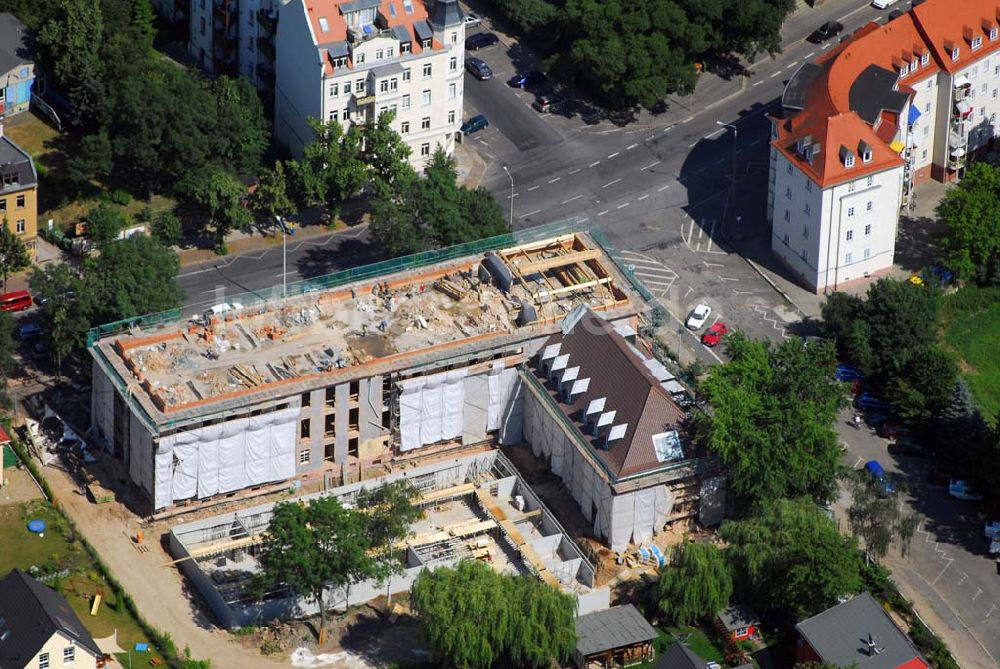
x=924, y=59
x=69, y=654
x=848, y=258
x=850, y=212
x=304, y=455
x=425, y=149
x=955, y=53
x=427, y=71
x=404, y=128
x=868, y=230
x=850, y=236
x=849, y=161
x=425, y=123
x=977, y=42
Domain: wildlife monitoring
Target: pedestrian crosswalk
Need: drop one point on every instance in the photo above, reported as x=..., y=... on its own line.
x=654, y=275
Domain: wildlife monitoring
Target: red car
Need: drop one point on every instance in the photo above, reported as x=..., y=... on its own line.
x=715, y=334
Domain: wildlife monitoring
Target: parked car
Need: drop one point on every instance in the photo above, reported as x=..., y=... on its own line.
x=880, y=479
x=992, y=532
x=478, y=41
x=825, y=32
x=848, y=373
x=19, y=300
x=959, y=489
x=869, y=401
x=217, y=310
x=715, y=334
x=894, y=14
x=526, y=79
x=548, y=104
x=888, y=430
x=474, y=124
x=26, y=331
x=875, y=418
x=42, y=301
x=471, y=20
x=909, y=447
x=883, y=4
x=698, y=316
x=478, y=68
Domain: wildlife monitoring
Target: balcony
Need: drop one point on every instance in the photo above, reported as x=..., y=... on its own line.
x=265, y=47
x=266, y=21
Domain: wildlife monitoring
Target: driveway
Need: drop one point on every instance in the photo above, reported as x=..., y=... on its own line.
x=947, y=574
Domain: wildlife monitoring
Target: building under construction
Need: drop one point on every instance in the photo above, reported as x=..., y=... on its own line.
x=346, y=382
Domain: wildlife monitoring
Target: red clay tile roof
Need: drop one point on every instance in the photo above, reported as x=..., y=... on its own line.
x=619, y=375
x=947, y=24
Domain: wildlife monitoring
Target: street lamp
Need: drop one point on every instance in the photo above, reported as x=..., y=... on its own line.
x=511, y=177
x=284, y=248
x=736, y=136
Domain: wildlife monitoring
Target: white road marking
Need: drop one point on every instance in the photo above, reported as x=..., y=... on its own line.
x=533, y=188
x=979, y=591
x=650, y=165
x=630, y=147
x=613, y=155
x=714, y=133
x=693, y=143
x=710, y=231
x=775, y=74
x=596, y=162
x=792, y=65
x=809, y=55
x=576, y=197
x=654, y=281
x=642, y=197
x=611, y=183
x=825, y=47
x=757, y=83
x=530, y=213
x=690, y=232
x=712, y=264
x=689, y=118
x=575, y=171
x=726, y=278
x=511, y=197
x=552, y=181
x=622, y=206
x=601, y=213
x=662, y=188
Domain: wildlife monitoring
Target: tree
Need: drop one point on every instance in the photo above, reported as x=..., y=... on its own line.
x=7, y=349
x=104, y=224
x=331, y=169
x=483, y=213
x=789, y=559
x=696, y=585
x=926, y=386
x=94, y=158
x=475, y=618
x=839, y=312
x=395, y=225
x=71, y=42
x=271, y=196
x=133, y=277
x=239, y=137
x=971, y=213
x=13, y=253
x=384, y=152
x=65, y=312
x=220, y=194
x=143, y=23
x=901, y=319
x=166, y=228
x=772, y=419
x=879, y=521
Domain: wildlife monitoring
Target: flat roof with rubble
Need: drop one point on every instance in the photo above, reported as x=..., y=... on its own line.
x=396, y=321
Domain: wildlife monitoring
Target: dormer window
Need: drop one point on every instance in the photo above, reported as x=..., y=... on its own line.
x=993, y=34
x=977, y=42
x=849, y=160
x=954, y=53
x=925, y=58
x=425, y=43
x=404, y=47
x=904, y=69
x=865, y=150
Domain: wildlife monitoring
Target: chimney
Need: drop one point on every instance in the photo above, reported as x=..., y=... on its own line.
x=616, y=434
x=568, y=375
x=606, y=418
x=594, y=409
x=548, y=354
x=579, y=386
x=872, y=649
x=558, y=363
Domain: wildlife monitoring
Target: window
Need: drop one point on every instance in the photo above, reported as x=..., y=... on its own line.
x=904, y=70
x=379, y=54
x=788, y=192
x=333, y=115
x=866, y=157
x=850, y=212
x=996, y=70
x=383, y=86
x=850, y=235
x=393, y=84
x=425, y=43
x=993, y=34
x=974, y=72
x=304, y=456
x=3, y=204
x=850, y=187
x=982, y=89
x=425, y=98
x=405, y=104
x=454, y=38
x=868, y=230
x=867, y=253
x=741, y=632
x=847, y=258
x=849, y=161
x=324, y=25
x=977, y=42
x=304, y=429
x=425, y=149
x=19, y=203
x=870, y=181
x=306, y=399
x=404, y=128
x=341, y=61
x=954, y=53
x=927, y=131
x=359, y=85
x=69, y=654
x=334, y=90
x=43, y=661
x=390, y=51
x=869, y=206
x=404, y=47
x=994, y=94
x=360, y=58
x=788, y=217
x=452, y=91
x=924, y=59
x=427, y=70
x=453, y=64
x=425, y=123
x=347, y=114
x=927, y=108
x=923, y=155
x=406, y=74
x=451, y=116
x=21, y=226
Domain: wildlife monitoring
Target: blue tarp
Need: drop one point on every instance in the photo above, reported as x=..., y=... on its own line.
x=914, y=115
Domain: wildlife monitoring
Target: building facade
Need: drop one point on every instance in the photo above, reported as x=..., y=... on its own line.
x=350, y=62
x=18, y=192
x=862, y=125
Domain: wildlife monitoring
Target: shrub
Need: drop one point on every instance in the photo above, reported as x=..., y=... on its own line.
x=120, y=197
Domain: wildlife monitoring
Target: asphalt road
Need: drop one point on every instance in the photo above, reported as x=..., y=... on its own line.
x=947, y=571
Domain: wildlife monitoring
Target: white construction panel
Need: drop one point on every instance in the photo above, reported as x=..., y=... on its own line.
x=475, y=410
x=257, y=456
x=185, y=481
x=102, y=407
x=208, y=469
x=232, y=462
x=163, y=480
x=410, y=414
x=453, y=397
x=282, y=450
x=644, y=515
x=511, y=431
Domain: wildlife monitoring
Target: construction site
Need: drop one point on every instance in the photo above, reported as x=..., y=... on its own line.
x=475, y=507
x=331, y=385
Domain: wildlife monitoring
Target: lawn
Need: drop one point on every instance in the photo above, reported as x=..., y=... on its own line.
x=974, y=335
x=55, y=553
x=695, y=638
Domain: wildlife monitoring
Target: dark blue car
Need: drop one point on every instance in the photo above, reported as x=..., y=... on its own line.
x=869, y=401
x=881, y=480
x=848, y=373
x=526, y=79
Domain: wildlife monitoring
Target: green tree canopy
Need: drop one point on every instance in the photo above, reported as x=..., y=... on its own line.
x=272, y=196
x=879, y=521
x=476, y=618
x=773, y=409
x=971, y=213
x=166, y=227
x=221, y=194
x=789, y=559
x=7, y=348
x=104, y=223
x=71, y=43
x=130, y=278
x=696, y=585
x=331, y=169
x=13, y=253
x=65, y=312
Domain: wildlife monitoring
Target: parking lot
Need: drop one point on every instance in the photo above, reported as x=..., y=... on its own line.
x=948, y=572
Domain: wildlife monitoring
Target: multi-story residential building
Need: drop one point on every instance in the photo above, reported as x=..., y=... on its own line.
x=17, y=71
x=863, y=124
x=352, y=61
x=18, y=191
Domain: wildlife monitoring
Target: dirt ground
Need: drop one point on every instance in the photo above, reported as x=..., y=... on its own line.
x=18, y=487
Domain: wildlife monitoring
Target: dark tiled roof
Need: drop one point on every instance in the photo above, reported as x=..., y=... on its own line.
x=445, y=13
x=679, y=656
x=839, y=636
x=13, y=159
x=14, y=49
x=31, y=614
x=873, y=91
x=797, y=88
x=735, y=617
x=422, y=29
x=617, y=373
x=617, y=627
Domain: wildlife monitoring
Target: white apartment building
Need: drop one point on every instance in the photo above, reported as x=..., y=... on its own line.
x=863, y=124
x=351, y=61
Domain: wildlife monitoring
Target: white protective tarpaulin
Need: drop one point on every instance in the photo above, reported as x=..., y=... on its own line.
x=431, y=408
x=225, y=457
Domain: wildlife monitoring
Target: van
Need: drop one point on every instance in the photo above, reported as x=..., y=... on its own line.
x=881, y=480
x=474, y=124
x=19, y=300
x=218, y=310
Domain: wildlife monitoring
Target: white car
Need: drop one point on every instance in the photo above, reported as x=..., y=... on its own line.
x=471, y=20
x=959, y=489
x=698, y=316
x=882, y=4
